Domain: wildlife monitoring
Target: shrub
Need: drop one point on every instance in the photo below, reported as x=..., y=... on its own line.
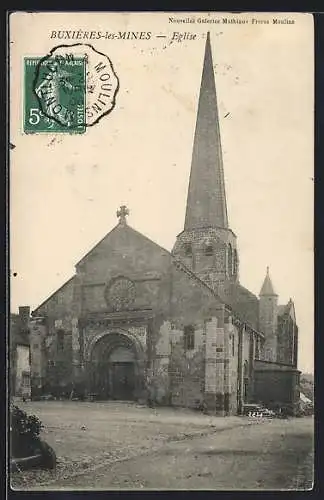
x=24, y=424
x=24, y=432
x=25, y=440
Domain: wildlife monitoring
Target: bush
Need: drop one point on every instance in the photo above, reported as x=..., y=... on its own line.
x=23, y=424
x=24, y=432
x=25, y=441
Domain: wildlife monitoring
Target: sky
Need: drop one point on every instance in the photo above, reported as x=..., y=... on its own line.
x=65, y=189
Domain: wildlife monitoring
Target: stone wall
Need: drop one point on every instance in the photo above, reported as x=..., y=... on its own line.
x=123, y=251
x=208, y=373
x=276, y=385
x=287, y=340
x=231, y=367
x=186, y=377
x=195, y=377
x=22, y=379
x=59, y=303
x=213, y=267
x=38, y=362
x=52, y=360
x=51, y=356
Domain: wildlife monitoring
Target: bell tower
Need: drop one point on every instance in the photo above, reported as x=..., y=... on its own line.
x=268, y=317
x=207, y=245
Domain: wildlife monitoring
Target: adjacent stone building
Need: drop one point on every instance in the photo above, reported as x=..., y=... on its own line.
x=19, y=359
x=138, y=322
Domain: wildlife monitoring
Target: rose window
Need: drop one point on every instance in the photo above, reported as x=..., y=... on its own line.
x=120, y=294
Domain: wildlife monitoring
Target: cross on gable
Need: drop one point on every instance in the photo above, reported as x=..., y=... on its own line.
x=122, y=213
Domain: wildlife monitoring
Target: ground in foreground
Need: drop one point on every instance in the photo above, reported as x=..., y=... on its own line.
x=125, y=446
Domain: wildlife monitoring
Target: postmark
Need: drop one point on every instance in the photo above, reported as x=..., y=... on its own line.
x=71, y=88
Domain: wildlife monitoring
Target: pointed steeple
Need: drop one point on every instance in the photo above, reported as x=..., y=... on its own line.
x=206, y=202
x=267, y=287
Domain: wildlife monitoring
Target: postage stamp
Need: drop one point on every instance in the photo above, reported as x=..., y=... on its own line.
x=68, y=90
x=54, y=95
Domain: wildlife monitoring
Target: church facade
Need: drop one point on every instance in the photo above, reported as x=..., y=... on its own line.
x=137, y=322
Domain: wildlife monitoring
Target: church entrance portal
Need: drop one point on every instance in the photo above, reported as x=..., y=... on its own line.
x=122, y=381
x=113, y=370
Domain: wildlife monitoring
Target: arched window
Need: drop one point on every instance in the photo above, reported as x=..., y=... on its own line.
x=187, y=248
x=209, y=250
x=235, y=263
x=189, y=337
x=230, y=260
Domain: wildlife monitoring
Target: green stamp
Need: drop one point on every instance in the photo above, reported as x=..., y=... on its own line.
x=55, y=94
x=71, y=88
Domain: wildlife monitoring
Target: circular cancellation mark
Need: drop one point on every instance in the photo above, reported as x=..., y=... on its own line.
x=75, y=85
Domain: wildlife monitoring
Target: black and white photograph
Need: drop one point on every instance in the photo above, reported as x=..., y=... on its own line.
x=161, y=330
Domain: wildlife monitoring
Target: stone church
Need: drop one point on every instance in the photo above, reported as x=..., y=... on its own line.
x=137, y=322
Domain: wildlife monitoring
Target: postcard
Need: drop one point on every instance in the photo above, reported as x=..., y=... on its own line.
x=161, y=251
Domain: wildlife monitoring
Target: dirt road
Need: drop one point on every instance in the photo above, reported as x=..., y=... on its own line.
x=273, y=455
x=120, y=446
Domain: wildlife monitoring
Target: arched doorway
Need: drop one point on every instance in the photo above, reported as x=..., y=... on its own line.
x=114, y=368
x=121, y=364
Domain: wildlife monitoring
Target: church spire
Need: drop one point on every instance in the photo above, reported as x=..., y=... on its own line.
x=267, y=287
x=206, y=202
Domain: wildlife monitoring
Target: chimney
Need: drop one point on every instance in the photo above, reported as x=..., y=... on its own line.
x=24, y=315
